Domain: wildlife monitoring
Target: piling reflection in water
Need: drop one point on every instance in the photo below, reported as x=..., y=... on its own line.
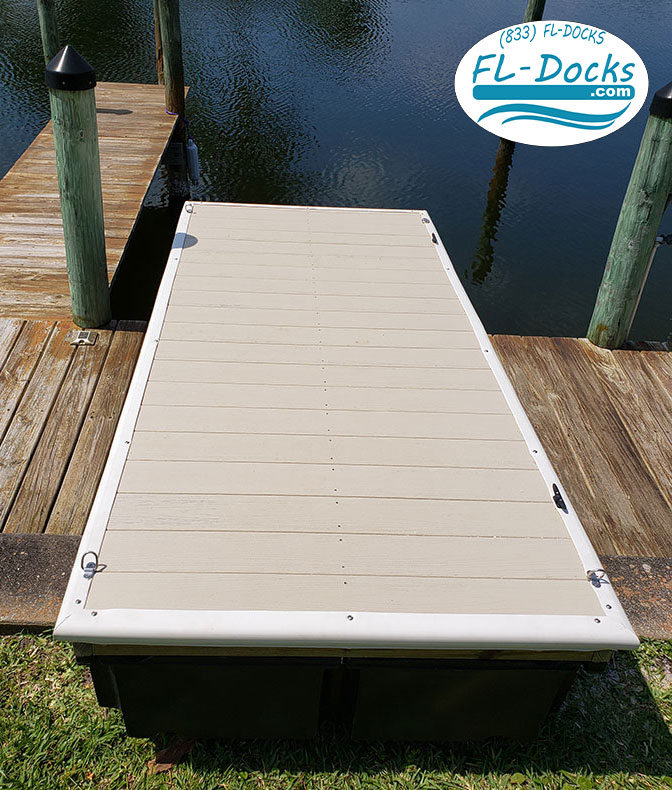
x=496, y=200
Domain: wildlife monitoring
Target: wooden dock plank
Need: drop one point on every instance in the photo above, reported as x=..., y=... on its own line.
x=603, y=458
x=635, y=398
x=46, y=387
x=134, y=130
x=540, y=386
x=80, y=483
x=9, y=331
x=651, y=373
x=616, y=442
x=48, y=464
x=31, y=415
x=23, y=356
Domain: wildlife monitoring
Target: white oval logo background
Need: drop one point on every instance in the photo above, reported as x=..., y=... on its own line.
x=551, y=83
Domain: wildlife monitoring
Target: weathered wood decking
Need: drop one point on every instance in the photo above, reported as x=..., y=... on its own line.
x=60, y=403
x=134, y=130
x=60, y=406
x=605, y=420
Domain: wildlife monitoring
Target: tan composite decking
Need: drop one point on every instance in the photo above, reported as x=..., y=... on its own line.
x=321, y=431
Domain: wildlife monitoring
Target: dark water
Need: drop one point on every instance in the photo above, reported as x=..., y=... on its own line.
x=350, y=102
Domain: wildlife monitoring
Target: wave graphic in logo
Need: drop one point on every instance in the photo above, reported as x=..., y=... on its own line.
x=554, y=115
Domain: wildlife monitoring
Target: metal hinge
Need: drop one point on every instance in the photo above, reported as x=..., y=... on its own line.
x=84, y=338
x=557, y=498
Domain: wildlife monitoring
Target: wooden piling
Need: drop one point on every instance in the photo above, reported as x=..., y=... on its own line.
x=158, y=44
x=168, y=16
x=71, y=82
x=46, y=10
x=168, y=12
x=534, y=11
x=632, y=247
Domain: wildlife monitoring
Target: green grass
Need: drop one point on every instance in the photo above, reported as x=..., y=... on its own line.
x=614, y=731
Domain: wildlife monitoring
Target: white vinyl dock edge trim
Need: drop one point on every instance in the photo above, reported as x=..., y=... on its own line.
x=375, y=630
x=329, y=629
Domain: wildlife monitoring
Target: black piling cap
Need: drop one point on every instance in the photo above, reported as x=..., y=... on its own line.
x=69, y=71
x=661, y=104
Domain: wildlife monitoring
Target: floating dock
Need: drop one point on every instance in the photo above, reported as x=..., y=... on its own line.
x=320, y=451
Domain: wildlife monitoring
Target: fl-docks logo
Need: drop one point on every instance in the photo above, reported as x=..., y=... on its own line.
x=551, y=83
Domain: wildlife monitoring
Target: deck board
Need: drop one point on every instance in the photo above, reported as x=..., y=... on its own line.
x=134, y=130
x=605, y=420
x=42, y=479
x=80, y=483
x=386, y=594
x=54, y=440
x=363, y=515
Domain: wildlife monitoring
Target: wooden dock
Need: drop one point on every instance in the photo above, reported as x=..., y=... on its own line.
x=61, y=402
x=134, y=130
x=60, y=407
x=605, y=420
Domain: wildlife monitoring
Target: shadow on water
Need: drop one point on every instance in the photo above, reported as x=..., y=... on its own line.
x=609, y=723
x=495, y=203
x=139, y=272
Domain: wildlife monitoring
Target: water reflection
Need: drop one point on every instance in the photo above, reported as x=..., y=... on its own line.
x=350, y=102
x=495, y=203
x=108, y=37
x=352, y=27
